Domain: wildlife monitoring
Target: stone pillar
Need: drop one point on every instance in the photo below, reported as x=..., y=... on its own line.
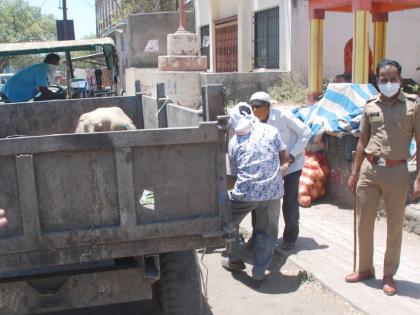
x=245, y=32
x=361, y=14
x=316, y=58
x=380, y=21
x=212, y=34
x=285, y=49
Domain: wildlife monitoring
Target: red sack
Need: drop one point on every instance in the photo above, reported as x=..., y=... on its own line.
x=312, y=184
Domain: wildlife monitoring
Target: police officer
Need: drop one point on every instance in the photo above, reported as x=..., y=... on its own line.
x=388, y=125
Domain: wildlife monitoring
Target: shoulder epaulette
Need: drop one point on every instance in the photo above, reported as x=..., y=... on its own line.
x=372, y=100
x=412, y=97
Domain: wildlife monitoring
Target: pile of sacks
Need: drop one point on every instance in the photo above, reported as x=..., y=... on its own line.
x=314, y=177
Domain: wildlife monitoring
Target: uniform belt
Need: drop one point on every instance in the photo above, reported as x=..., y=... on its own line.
x=381, y=161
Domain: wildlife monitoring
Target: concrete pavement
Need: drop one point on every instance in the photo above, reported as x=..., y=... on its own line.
x=325, y=250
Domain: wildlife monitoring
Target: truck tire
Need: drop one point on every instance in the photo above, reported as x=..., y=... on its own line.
x=180, y=284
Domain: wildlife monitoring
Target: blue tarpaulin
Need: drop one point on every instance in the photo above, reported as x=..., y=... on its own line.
x=339, y=110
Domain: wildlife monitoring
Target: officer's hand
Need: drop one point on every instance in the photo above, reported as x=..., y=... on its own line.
x=352, y=182
x=3, y=219
x=416, y=188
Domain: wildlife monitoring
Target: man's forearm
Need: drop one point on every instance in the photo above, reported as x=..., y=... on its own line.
x=284, y=157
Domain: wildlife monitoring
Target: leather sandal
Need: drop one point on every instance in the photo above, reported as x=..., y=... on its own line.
x=389, y=285
x=360, y=276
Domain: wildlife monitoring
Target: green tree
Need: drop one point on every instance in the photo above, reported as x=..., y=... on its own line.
x=21, y=22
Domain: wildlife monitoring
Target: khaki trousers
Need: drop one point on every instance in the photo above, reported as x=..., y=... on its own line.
x=391, y=183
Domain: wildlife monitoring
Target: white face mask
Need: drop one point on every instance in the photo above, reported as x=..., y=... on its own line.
x=389, y=89
x=51, y=73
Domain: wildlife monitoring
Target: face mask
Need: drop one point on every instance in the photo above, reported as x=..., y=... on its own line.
x=52, y=68
x=389, y=89
x=261, y=113
x=51, y=73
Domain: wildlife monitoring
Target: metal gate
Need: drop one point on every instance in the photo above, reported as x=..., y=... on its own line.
x=227, y=45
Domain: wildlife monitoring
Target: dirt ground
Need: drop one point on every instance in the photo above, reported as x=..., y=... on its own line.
x=287, y=290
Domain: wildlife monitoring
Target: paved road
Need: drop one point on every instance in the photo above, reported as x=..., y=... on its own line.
x=325, y=249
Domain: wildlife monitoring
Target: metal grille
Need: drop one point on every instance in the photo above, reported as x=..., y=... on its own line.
x=267, y=39
x=227, y=47
x=205, y=51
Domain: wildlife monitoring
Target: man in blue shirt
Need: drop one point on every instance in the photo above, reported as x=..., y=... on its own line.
x=256, y=153
x=27, y=83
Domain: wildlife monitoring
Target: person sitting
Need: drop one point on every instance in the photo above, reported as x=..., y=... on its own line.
x=28, y=82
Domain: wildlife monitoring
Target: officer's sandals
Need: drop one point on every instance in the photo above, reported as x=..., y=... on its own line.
x=389, y=286
x=360, y=276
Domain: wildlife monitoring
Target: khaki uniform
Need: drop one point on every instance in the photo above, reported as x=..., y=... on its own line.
x=391, y=129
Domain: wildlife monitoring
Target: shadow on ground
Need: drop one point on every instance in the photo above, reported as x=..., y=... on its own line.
x=303, y=243
x=405, y=288
x=277, y=282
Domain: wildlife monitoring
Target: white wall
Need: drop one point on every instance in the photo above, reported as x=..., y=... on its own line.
x=201, y=14
x=265, y=4
x=404, y=41
x=224, y=9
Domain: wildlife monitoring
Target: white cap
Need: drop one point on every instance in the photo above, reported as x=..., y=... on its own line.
x=241, y=118
x=260, y=96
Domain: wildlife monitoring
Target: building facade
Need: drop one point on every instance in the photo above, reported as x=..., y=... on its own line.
x=243, y=35
x=249, y=35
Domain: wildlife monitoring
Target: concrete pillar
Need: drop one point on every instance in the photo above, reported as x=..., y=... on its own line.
x=285, y=40
x=212, y=34
x=197, y=17
x=316, y=58
x=361, y=15
x=380, y=22
x=245, y=14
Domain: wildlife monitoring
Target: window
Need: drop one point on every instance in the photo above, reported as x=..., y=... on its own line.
x=267, y=39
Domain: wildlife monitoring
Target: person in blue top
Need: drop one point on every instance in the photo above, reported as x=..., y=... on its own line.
x=28, y=82
x=256, y=152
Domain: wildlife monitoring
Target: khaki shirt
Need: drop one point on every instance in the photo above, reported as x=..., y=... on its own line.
x=391, y=127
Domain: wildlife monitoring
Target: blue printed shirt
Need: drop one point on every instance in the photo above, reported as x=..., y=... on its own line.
x=254, y=160
x=23, y=86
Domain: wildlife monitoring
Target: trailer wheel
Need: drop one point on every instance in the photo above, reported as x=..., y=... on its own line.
x=180, y=284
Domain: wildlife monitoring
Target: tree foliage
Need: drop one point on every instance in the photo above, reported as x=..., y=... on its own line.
x=21, y=22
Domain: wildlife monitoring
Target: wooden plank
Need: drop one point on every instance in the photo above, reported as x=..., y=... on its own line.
x=28, y=198
x=126, y=195
x=205, y=133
